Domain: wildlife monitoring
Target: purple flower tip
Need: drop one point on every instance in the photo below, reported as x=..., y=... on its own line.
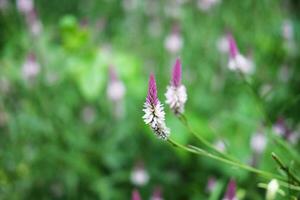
x=136, y=195
x=112, y=73
x=176, y=75
x=31, y=57
x=152, y=91
x=157, y=193
x=233, y=50
x=231, y=190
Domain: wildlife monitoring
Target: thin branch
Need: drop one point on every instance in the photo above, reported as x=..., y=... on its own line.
x=284, y=168
x=196, y=150
x=184, y=121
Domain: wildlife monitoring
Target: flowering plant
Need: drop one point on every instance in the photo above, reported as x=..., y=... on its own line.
x=176, y=98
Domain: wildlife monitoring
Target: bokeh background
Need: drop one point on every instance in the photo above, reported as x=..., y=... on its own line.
x=74, y=77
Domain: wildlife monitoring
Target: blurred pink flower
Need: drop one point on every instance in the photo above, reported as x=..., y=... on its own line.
x=25, y=6
x=206, y=5
x=174, y=41
x=154, y=112
x=139, y=175
x=281, y=128
x=211, y=184
x=116, y=92
x=230, y=191
x=287, y=30
x=115, y=87
x=288, y=36
x=34, y=24
x=156, y=195
x=135, y=195
x=238, y=62
x=31, y=67
x=258, y=142
x=176, y=95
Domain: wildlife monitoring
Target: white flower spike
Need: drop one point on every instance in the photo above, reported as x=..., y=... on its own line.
x=154, y=112
x=176, y=92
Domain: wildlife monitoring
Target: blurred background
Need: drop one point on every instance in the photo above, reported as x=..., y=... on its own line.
x=74, y=77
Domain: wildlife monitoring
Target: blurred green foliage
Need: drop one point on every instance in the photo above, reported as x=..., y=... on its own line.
x=49, y=151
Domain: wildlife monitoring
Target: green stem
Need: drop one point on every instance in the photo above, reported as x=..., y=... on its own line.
x=284, y=168
x=285, y=146
x=184, y=120
x=262, y=109
x=202, y=152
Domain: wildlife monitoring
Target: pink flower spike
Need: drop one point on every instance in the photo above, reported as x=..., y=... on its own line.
x=136, y=195
x=231, y=190
x=152, y=91
x=176, y=75
x=157, y=194
x=112, y=73
x=31, y=57
x=233, y=50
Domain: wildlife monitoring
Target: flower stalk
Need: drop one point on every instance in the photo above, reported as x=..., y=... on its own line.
x=196, y=150
x=286, y=169
x=262, y=109
x=267, y=175
x=184, y=121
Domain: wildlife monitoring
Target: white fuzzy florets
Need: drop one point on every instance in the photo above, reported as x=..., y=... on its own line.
x=155, y=117
x=245, y=65
x=176, y=98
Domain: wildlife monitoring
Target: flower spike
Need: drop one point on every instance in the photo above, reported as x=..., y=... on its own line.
x=233, y=50
x=136, y=195
x=152, y=91
x=231, y=191
x=237, y=61
x=154, y=112
x=176, y=92
x=176, y=76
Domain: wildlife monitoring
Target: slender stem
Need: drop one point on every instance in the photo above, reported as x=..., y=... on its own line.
x=285, y=146
x=284, y=168
x=202, y=152
x=262, y=109
x=184, y=120
x=289, y=186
